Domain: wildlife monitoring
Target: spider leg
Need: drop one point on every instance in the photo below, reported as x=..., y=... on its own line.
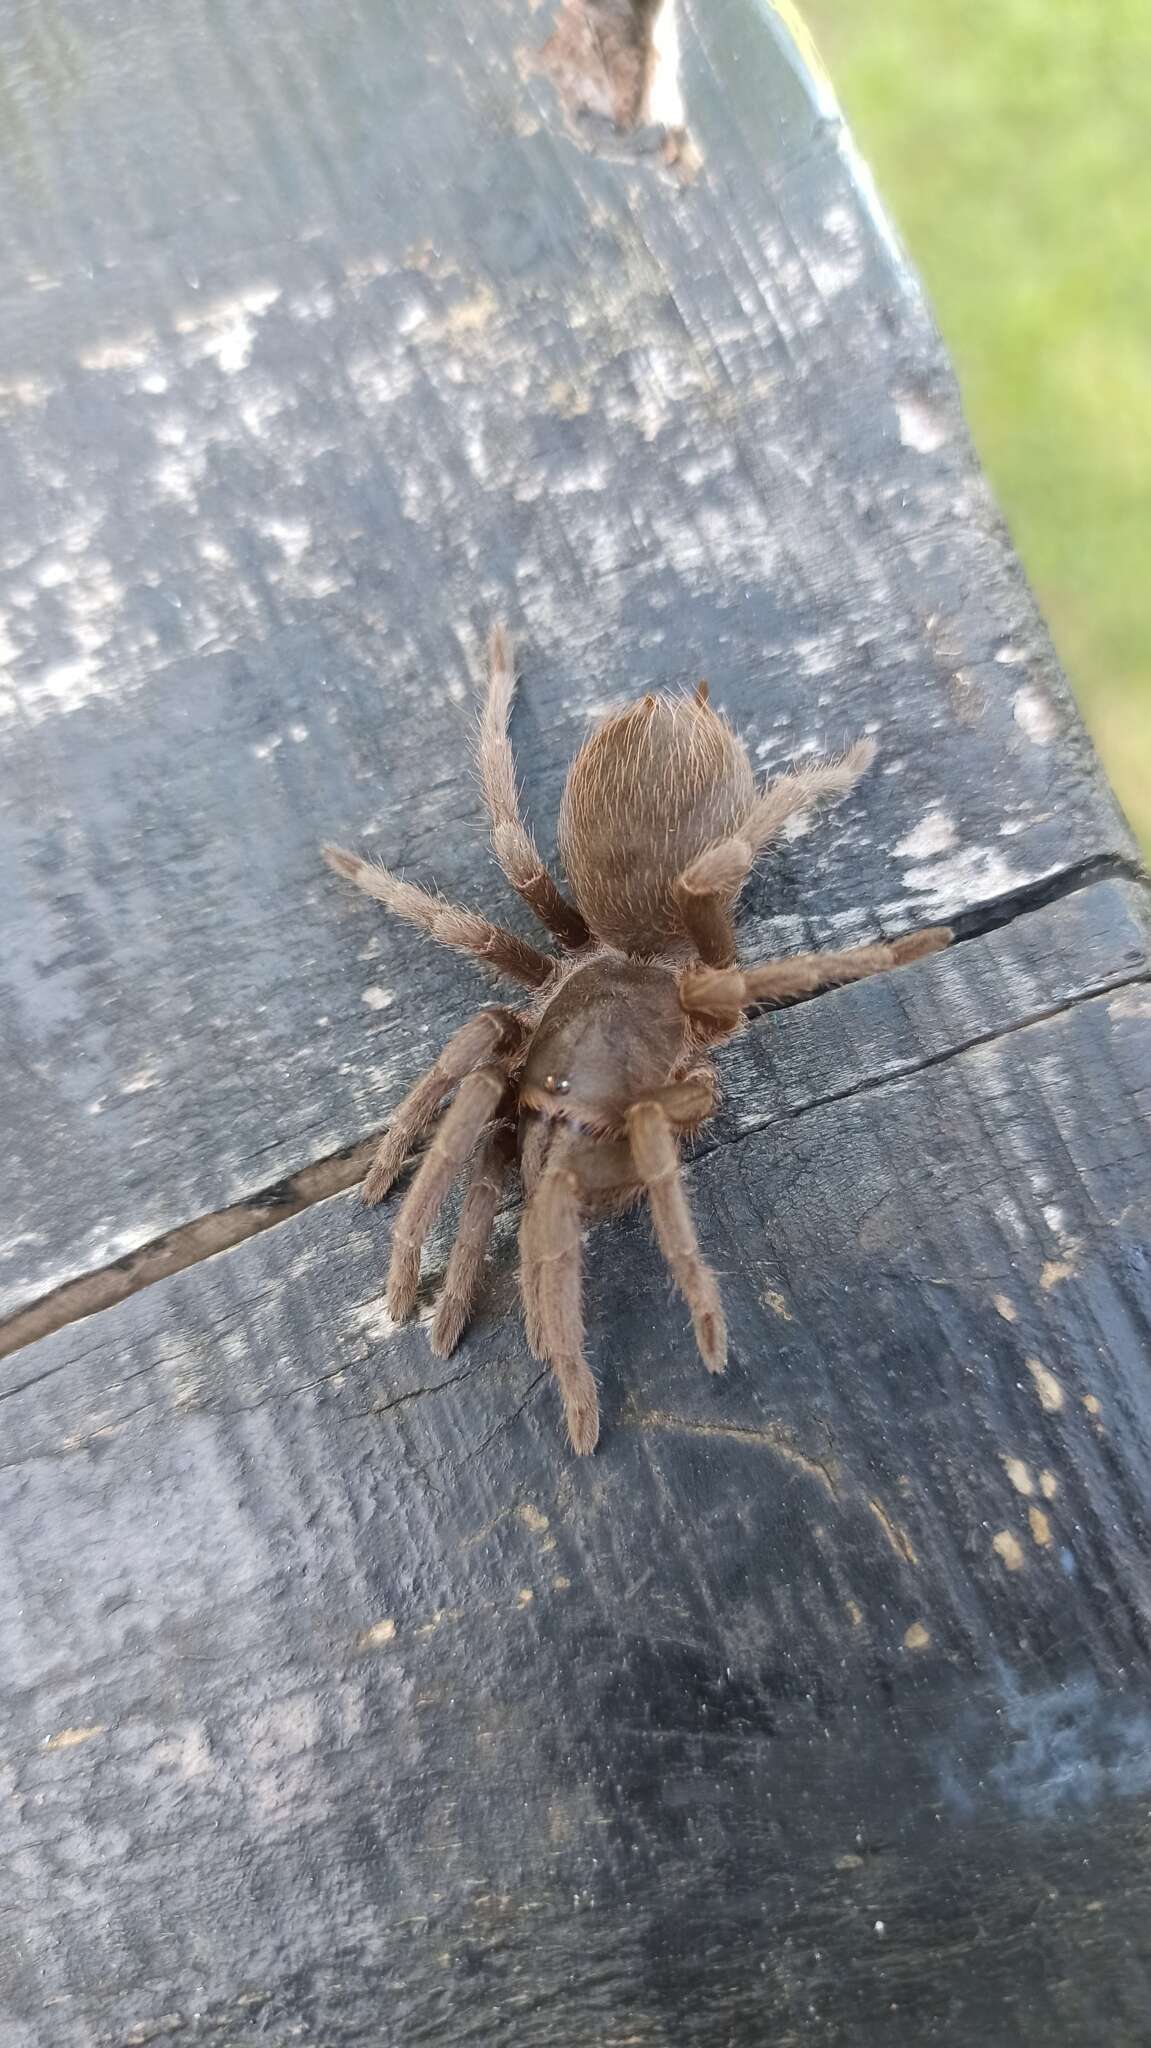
x=465, y=930
x=479, y=1094
x=687, y=1103
x=704, y=895
x=490, y=1032
x=718, y=995
x=537, y=1138
x=514, y=847
x=465, y=1265
x=706, y=891
x=800, y=788
x=656, y=1156
x=551, y=1254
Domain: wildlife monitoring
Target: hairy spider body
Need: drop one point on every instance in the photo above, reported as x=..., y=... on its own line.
x=593, y=1085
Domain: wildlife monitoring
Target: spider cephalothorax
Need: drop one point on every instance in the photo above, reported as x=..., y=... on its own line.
x=595, y=1081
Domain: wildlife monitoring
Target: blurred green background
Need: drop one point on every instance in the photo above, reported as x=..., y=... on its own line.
x=1012, y=145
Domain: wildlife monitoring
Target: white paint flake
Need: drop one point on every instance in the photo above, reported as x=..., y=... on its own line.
x=664, y=97
x=920, y=426
x=225, y=329
x=934, y=834
x=294, y=536
x=24, y=390
x=1034, y=713
x=972, y=874
x=130, y=354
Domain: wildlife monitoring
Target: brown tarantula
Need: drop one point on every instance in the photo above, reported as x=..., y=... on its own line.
x=595, y=1081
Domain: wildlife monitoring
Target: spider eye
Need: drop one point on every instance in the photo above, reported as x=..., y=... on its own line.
x=557, y=1084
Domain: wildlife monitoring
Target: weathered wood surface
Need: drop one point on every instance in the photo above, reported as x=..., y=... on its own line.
x=341, y=1699
x=340, y=1704
x=324, y=343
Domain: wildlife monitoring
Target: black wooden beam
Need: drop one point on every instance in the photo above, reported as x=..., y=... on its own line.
x=340, y=1704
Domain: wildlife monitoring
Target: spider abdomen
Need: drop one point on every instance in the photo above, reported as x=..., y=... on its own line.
x=653, y=786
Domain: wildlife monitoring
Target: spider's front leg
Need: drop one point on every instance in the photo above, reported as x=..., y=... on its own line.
x=512, y=843
x=718, y=996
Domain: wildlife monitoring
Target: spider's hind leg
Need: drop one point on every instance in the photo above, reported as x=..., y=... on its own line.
x=492, y=1035
x=479, y=1095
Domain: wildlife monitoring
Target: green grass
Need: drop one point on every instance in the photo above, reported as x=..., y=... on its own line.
x=1012, y=145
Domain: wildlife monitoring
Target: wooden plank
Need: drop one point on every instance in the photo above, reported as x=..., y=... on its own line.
x=340, y=1698
x=325, y=341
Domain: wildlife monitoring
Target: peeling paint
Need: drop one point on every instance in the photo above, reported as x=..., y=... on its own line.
x=971, y=874
x=1019, y=1475
x=1040, y=1527
x=438, y=1619
x=371, y=1319
x=224, y=329
x=1054, y=1271
x=920, y=426
x=1009, y=1548
x=71, y=1738
x=375, y=1637
x=934, y=834
x=1035, y=715
x=1046, y=1385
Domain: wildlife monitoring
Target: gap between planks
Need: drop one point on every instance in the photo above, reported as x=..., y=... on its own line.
x=224, y=1229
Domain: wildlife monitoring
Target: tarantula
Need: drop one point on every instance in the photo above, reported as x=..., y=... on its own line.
x=594, y=1082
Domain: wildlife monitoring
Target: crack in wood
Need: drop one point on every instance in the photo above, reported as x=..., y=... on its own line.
x=898, y=1538
x=771, y=1434
x=998, y=911
x=907, y=1072
x=226, y=1229
x=221, y=1230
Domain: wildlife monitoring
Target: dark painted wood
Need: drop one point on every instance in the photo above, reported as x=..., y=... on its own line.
x=323, y=343
x=343, y=1705
x=340, y=1704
